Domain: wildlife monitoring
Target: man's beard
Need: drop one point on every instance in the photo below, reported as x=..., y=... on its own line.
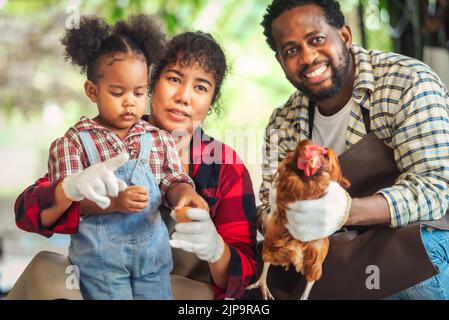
x=339, y=77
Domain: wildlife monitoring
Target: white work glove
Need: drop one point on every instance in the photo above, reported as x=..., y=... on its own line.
x=199, y=236
x=97, y=182
x=316, y=219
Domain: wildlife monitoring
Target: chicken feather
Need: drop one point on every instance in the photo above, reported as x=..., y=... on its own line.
x=304, y=174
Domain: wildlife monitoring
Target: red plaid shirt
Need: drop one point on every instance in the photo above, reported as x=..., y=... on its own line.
x=226, y=187
x=40, y=196
x=67, y=154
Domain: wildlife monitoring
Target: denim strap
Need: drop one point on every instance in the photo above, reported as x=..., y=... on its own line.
x=89, y=146
x=142, y=164
x=146, y=143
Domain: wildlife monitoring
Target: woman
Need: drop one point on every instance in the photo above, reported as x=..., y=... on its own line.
x=185, y=86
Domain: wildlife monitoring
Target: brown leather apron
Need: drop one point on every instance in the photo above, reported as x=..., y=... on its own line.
x=398, y=253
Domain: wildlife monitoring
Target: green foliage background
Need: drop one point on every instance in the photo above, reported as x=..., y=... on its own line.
x=42, y=95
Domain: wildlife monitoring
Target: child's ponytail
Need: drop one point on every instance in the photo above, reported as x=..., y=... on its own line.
x=143, y=34
x=83, y=45
x=95, y=38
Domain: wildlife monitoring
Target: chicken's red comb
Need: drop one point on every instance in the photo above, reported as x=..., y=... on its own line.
x=313, y=150
x=311, y=153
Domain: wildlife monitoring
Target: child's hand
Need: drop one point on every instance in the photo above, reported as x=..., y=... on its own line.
x=190, y=198
x=96, y=182
x=133, y=199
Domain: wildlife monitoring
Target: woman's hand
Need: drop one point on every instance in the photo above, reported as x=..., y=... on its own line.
x=190, y=198
x=183, y=195
x=199, y=236
x=133, y=199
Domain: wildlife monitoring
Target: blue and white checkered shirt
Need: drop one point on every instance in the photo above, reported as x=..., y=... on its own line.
x=409, y=111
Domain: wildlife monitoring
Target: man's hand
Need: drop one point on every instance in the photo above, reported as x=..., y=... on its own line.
x=199, y=236
x=316, y=219
x=97, y=182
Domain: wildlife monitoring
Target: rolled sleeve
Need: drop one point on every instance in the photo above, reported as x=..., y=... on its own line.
x=421, y=143
x=64, y=159
x=38, y=197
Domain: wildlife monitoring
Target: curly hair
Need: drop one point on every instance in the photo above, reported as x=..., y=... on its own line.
x=195, y=48
x=331, y=9
x=95, y=38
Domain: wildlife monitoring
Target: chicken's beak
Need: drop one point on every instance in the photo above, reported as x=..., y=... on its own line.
x=312, y=162
x=313, y=165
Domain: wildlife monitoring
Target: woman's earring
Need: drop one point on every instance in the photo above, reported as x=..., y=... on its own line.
x=209, y=112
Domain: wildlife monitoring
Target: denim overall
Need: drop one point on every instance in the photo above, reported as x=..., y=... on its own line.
x=124, y=255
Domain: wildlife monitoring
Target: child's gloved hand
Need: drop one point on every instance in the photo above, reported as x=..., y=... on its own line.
x=199, y=236
x=97, y=182
x=133, y=199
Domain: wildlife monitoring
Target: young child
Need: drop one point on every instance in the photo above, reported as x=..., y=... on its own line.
x=122, y=252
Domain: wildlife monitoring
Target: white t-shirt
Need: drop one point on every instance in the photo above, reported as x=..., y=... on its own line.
x=331, y=131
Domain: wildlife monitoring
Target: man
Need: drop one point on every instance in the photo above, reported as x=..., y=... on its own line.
x=343, y=91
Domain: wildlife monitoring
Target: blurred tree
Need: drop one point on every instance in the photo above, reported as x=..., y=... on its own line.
x=375, y=24
x=42, y=95
x=415, y=24
x=37, y=82
x=435, y=22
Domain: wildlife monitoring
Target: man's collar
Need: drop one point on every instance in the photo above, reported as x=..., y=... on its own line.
x=363, y=77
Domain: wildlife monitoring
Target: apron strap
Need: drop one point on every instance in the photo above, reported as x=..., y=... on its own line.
x=366, y=120
x=311, y=112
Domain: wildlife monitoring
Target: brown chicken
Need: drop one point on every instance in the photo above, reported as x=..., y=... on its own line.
x=303, y=175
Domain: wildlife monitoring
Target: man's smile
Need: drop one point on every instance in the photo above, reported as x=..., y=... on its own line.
x=317, y=74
